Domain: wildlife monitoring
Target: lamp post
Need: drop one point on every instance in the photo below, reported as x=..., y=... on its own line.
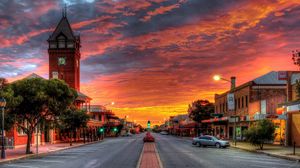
x=232, y=87
x=2, y=106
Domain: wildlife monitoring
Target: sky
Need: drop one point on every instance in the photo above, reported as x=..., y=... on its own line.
x=154, y=57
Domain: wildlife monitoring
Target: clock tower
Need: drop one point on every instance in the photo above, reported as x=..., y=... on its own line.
x=64, y=54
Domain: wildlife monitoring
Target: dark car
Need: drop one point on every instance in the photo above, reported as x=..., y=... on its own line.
x=208, y=140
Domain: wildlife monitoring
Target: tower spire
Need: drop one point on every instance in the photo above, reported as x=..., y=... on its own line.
x=64, y=11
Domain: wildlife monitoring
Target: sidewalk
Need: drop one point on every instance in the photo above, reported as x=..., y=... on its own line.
x=149, y=157
x=269, y=149
x=19, y=153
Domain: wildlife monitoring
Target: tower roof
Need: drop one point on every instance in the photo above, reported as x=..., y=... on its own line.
x=64, y=28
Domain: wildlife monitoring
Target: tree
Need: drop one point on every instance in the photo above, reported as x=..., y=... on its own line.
x=72, y=119
x=40, y=100
x=7, y=93
x=260, y=133
x=200, y=110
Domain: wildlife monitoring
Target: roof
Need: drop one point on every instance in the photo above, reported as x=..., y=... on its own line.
x=64, y=28
x=269, y=78
x=97, y=109
x=33, y=75
x=82, y=97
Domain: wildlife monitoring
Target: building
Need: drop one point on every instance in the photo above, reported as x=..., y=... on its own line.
x=64, y=64
x=254, y=100
x=291, y=109
x=182, y=125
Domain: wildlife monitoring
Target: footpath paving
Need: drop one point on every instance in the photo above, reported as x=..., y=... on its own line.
x=149, y=157
x=272, y=150
x=19, y=153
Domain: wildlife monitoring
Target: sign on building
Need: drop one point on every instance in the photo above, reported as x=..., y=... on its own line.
x=282, y=75
x=230, y=101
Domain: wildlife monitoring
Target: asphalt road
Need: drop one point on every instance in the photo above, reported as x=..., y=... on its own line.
x=174, y=152
x=123, y=152
x=177, y=152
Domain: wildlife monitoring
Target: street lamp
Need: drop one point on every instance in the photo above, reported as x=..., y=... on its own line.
x=2, y=106
x=232, y=82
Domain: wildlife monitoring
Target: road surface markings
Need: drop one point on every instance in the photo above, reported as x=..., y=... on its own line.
x=46, y=161
x=21, y=166
x=61, y=156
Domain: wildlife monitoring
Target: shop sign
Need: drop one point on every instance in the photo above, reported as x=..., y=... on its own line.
x=295, y=107
x=282, y=75
x=230, y=101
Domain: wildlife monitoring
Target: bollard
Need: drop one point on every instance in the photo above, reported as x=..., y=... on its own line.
x=294, y=153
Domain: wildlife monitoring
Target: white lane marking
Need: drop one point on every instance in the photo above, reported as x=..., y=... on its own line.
x=91, y=163
x=254, y=158
x=46, y=161
x=57, y=156
x=16, y=166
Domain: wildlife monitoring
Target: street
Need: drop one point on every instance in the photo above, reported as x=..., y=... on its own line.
x=174, y=152
x=112, y=153
x=178, y=153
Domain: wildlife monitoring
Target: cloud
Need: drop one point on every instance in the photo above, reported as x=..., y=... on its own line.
x=154, y=57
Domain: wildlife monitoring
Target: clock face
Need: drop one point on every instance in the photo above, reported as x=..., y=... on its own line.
x=62, y=61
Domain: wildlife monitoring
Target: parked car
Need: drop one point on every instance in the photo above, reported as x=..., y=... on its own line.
x=208, y=140
x=164, y=133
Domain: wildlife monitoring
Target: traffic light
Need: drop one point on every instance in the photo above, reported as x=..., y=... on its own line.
x=148, y=124
x=101, y=130
x=115, y=129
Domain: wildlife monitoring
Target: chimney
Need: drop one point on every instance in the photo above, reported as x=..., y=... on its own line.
x=232, y=80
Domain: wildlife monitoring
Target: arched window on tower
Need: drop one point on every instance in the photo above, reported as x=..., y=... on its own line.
x=61, y=42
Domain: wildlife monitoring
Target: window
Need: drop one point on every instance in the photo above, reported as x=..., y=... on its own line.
x=61, y=42
x=20, y=130
x=53, y=45
x=70, y=45
x=239, y=103
x=246, y=99
x=243, y=102
x=235, y=104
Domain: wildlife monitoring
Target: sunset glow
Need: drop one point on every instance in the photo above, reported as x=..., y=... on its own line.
x=152, y=58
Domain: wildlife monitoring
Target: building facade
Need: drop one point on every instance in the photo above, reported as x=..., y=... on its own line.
x=291, y=109
x=254, y=100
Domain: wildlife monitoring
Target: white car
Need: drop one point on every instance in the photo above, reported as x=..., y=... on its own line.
x=207, y=140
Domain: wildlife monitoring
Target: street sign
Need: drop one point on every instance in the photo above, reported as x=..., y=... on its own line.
x=230, y=101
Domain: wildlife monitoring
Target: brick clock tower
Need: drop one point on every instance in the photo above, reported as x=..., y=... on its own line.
x=64, y=54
